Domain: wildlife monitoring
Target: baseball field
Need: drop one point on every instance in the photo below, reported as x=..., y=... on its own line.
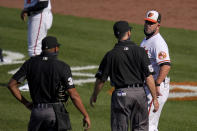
x=84, y=41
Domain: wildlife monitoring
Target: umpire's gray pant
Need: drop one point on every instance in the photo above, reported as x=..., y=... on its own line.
x=42, y=119
x=129, y=105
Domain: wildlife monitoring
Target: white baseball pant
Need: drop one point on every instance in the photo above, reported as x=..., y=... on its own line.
x=38, y=26
x=154, y=116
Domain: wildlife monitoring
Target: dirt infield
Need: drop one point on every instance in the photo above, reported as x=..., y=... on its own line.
x=176, y=13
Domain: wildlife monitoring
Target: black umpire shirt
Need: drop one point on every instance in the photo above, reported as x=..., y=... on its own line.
x=45, y=74
x=126, y=64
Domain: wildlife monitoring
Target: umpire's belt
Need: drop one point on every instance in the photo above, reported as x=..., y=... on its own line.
x=46, y=105
x=132, y=86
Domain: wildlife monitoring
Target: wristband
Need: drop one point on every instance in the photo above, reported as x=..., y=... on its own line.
x=157, y=84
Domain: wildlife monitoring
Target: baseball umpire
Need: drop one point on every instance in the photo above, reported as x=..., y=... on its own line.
x=46, y=75
x=128, y=66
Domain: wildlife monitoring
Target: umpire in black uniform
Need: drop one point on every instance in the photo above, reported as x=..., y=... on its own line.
x=47, y=78
x=128, y=67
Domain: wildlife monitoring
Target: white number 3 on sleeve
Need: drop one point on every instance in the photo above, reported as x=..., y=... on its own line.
x=70, y=81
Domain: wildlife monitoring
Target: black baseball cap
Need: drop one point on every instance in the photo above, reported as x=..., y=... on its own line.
x=120, y=28
x=49, y=42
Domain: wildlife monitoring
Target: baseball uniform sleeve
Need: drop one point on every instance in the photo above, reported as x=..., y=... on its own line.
x=67, y=79
x=103, y=71
x=146, y=65
x=20, y=75
x=162, y=53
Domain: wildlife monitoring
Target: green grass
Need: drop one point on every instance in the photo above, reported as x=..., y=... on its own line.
x=84, y=42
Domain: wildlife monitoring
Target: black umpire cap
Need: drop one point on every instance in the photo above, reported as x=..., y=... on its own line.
x=49, y=42
x=120, y=28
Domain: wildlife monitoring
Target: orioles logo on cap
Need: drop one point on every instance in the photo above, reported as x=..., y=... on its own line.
x=162, y=55
x=150, y=14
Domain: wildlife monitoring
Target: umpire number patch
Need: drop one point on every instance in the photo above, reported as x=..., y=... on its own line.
x=70, y=81
x=150, y=67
